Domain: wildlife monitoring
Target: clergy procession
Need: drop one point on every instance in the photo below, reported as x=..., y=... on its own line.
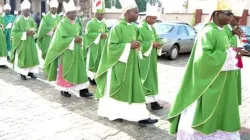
x=122, y=64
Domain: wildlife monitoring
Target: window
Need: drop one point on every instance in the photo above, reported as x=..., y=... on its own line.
x=191, y=31
x=246, y=30
x=163, y=28
x=182, y=31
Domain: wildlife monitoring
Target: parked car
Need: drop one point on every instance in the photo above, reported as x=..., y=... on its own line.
x=110, y=23
x=246, y=37
x=180, y=38
x=199, y=26
x=177, y=22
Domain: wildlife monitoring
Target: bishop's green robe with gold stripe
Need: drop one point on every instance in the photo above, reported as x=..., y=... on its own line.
x=119, y=86
x=64, y=51
x=148, y=65
x=3, y=45
x=126, y=82
x=23, y=46
x=211, y=92
x=94, y=45
x=8, y=19
x=45, y=32
x=234, y=42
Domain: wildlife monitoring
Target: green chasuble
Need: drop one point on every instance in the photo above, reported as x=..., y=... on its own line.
x=45, y=32
x=3, y=46
x=72, y=59
x=233, y=40
x=125, y=84
x=148, y=65
x=93, y=30
x=215, y=91
x=25, y=49
x=79, y=21
x=8, y=19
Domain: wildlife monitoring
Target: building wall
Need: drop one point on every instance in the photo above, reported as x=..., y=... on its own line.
x=2, y=3
x=36, y=5
x=208, y=5
x=180, y=17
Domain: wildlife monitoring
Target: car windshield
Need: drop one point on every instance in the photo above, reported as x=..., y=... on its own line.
x=246, y=30
x=162, y=28
x=199, y=26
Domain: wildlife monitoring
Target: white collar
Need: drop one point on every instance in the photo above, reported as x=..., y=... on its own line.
x=230, y=27
x=26, y=18
x=53, y=16
x=219, y=28
x=129, y=23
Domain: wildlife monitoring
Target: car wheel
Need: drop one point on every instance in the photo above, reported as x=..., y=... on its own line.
x=174, y=52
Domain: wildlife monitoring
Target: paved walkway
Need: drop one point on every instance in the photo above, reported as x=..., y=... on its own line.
x=35, y=110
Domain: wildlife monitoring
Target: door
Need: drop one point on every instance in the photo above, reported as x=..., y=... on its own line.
x=13, y=6
x=182, y=38
x=191, y=38
x=43, y=7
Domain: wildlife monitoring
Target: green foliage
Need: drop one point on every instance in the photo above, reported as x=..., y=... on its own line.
x=141, y=5
x=117, y=4
x=107, y=3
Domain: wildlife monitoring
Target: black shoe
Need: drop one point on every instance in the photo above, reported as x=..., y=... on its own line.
x=65, y=94
x=92, y=82
x=156, y=106
x=85, y=93
x=23, y=77
x=148, y=122
x=3, y=66
x=32, y=75
x=8, y=58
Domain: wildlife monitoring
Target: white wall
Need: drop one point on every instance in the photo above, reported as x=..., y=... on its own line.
x=208, y=5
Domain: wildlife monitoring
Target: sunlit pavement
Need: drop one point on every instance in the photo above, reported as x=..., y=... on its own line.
x=35, y=110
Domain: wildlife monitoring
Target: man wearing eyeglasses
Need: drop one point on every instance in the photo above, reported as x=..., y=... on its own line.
x=206, y=106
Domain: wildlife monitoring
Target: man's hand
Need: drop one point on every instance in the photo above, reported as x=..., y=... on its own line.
x=238, y=31
x=30, y=33
x=156, y=45
x=135, y=44
x=240, y=51
x=103, y=36
x=78, y=40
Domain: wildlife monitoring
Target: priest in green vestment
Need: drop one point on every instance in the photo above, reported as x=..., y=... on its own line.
x=119, y=87
x=95, y=37
x=235, y=33
x=65, y=60
x=3, y=46
x=79, y=19
x=47, y=28
x=151, y=46
x=206, y=106
x=24, y=52
x=9, y=20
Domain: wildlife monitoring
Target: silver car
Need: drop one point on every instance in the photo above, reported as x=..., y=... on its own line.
x=179, y=38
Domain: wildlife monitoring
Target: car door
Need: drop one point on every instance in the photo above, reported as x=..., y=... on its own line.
x=191, y=38
x=182, y=38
